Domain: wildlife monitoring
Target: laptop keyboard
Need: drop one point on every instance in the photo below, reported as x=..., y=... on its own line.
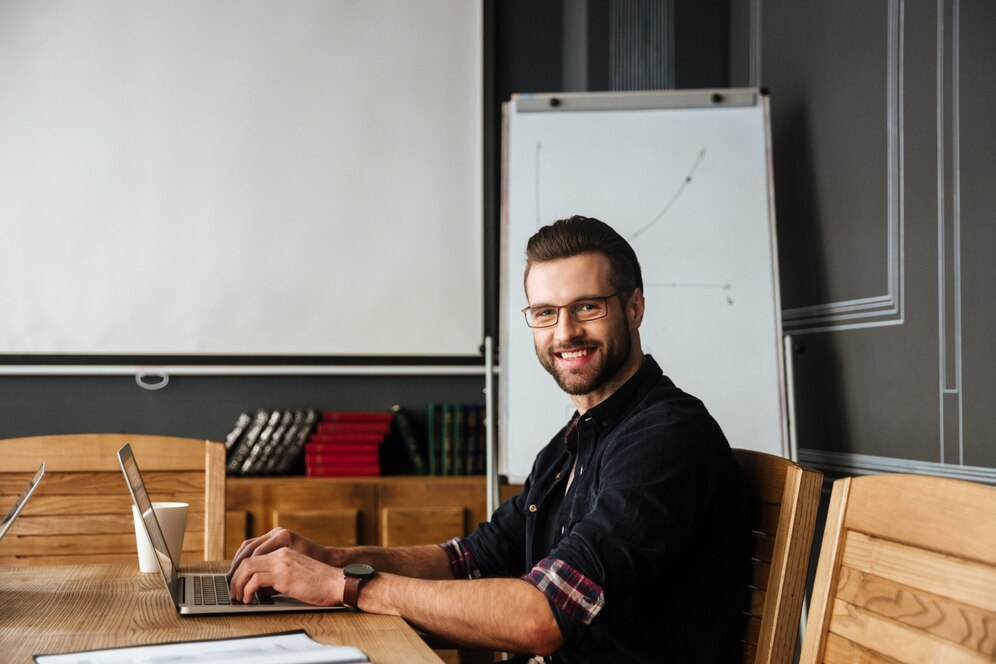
x=211, y=591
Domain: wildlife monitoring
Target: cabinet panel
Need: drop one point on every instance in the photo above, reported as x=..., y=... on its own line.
x=437, y=492
x=263, y=497
x=411, y=526
x=391, y=511
x=338, y=526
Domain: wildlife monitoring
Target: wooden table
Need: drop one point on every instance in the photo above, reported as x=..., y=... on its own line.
x=45, y=610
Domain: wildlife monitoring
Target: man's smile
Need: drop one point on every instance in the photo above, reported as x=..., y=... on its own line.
x=576, y=356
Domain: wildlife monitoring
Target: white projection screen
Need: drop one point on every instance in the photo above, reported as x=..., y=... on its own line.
x=241, y=178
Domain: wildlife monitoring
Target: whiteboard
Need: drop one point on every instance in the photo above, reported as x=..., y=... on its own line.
x=687, y=180
x=241, y=177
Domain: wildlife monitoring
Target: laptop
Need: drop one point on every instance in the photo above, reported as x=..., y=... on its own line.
x=21, y=500
x=196, y=594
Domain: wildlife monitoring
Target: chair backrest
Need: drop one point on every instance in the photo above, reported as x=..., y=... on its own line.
x=907, y=573
x=81, y=512
x=785, y=498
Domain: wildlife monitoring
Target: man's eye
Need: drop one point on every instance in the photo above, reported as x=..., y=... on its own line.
x=587, y=307
x=543, y=313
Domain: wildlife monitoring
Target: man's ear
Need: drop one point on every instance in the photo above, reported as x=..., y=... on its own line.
x=635, y=308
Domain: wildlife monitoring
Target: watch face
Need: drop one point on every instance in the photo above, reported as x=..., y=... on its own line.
x=358, y=570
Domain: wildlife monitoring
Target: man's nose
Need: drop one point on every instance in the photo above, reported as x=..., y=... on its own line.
x=567, y=328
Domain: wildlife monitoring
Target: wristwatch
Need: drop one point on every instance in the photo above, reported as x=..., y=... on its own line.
x=356, y=574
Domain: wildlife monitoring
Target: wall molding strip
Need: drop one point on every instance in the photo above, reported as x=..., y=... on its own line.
x=846, y=463
x=881, y=310
x=949, y=325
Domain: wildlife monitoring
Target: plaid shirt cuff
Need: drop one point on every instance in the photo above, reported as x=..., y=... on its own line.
x=570, y=590
x=462, y=562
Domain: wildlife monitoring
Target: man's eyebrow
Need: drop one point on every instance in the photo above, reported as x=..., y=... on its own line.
x=540, y=305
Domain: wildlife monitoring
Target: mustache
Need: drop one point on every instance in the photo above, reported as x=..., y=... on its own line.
x=576, y=345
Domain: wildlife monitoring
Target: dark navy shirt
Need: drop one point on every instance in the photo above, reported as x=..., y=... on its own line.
x=646, y=557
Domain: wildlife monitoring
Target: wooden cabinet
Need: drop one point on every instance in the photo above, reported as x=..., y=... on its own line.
x=390, y=511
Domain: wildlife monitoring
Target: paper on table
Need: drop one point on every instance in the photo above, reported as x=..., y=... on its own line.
x=285, y=648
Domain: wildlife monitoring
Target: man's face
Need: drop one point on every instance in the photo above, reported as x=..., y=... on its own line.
x=581, y=357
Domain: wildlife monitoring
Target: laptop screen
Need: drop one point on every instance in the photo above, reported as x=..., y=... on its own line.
x=141, y=497
x=21, y=499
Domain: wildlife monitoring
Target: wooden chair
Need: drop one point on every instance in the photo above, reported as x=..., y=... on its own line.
x=784, y=499
x=907, y=573
x=81, y=512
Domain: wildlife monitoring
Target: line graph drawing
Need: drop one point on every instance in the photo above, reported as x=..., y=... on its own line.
x=687, y=180
x=725, y=287
x=678, y=284
x=674, y=198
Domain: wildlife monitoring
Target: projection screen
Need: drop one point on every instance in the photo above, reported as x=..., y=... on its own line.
x=241, y=178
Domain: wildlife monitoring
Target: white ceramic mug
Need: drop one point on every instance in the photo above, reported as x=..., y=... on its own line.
x=172, y=519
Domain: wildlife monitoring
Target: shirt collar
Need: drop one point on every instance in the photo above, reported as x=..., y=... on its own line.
x=611, y=411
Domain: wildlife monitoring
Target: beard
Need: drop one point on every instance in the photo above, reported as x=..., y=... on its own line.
x=588, y=378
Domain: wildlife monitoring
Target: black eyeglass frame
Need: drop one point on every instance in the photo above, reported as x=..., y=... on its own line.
x=604, y=298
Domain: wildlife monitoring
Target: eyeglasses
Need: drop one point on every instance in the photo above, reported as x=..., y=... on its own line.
x=582, y=311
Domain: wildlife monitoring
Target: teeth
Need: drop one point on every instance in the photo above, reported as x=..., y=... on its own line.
x=573, y=355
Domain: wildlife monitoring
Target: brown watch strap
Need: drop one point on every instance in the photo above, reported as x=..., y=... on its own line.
x=351, y=592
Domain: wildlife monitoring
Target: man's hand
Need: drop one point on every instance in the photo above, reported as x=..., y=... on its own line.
x=289, y=572
x=278, y=538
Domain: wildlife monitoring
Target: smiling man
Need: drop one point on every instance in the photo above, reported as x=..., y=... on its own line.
x=629, y=541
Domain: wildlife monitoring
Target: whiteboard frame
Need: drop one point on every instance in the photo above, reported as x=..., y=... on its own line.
x=641, y=100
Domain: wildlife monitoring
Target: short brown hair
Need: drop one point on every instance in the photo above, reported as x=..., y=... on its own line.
x=577, y=235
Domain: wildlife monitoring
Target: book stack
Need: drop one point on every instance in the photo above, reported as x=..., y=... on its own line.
x=268, y=442
x=413, y=449
x=346, y=443
x=456, y=434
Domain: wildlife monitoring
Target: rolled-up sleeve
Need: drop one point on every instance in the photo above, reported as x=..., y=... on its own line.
x=574, y=594
x=498, y=546
x=462, y=563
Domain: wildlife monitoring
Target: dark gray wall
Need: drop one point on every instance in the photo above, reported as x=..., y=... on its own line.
x=885, y=155
x=206, y=407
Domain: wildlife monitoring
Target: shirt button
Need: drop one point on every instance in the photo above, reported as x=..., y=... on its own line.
x=532, y=508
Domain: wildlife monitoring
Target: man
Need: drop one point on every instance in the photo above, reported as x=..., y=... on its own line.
x=629, y=541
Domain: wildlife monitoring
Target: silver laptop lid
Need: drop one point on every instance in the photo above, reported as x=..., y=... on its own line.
x=21, y=500
x=136, y=486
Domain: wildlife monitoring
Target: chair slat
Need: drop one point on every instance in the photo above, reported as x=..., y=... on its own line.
x=893, y=639
x=764, y=546
x=81, y=453
x=842, y=651
x=765, y=518
x=894, y=507
x=76, y=559
x=945, y=618
x=92, y=524
x=761, y=571
x=65, y=545
x=963, y=580
x=110, y=482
